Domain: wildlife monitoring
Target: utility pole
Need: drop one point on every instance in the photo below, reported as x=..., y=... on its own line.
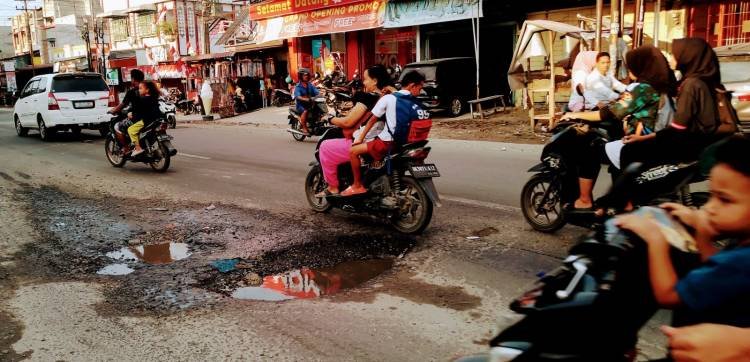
x=614, y=34
x=599, y=11
x=87, y=38
x=28, y=31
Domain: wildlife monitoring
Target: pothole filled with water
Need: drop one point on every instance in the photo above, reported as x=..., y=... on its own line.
x=308, y=283
x=153, y=254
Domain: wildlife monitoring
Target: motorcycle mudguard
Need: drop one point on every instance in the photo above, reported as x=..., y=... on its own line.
x=430, y=190
x=314, y=163
x=539, y=167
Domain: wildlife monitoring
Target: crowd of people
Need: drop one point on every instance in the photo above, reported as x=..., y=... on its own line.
x=669, y=113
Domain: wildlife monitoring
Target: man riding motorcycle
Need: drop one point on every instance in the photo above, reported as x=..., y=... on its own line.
x=304, y=93
x=131, y=99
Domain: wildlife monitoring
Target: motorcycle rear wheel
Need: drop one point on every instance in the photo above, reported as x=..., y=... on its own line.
x=416, y=210
x=163, y=164
x=112, y=150
x=538, y=216
x=314, y=183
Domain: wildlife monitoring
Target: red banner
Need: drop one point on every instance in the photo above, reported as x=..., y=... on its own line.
x=276, y=8
x=363, y=15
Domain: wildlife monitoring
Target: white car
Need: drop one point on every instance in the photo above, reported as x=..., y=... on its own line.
x=65, y=101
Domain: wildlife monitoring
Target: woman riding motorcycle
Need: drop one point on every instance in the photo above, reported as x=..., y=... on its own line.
x=640, y=105
x=335, y=152
x=696, y=118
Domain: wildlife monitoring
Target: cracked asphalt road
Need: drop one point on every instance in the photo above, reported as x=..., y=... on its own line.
x=435, y=297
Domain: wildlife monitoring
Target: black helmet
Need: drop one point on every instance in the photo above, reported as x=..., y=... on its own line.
x=302, y=72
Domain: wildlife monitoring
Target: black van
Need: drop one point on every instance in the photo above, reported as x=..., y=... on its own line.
x=451, y=82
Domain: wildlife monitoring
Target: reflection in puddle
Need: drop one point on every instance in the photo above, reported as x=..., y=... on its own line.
x=152, y=254
x=115, y=269
x=307, y=283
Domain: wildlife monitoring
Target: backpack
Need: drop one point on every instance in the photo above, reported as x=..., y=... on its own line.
x=728, y=119
x=413, y=123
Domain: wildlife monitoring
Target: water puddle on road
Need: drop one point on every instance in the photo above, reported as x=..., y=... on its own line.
x=308, y=283
x=115, y=269
x=152, y=254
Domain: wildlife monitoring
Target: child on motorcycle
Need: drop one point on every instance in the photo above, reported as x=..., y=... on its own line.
x=379, y=147
x=131, y=99
x=719, y=290
x=144, y=113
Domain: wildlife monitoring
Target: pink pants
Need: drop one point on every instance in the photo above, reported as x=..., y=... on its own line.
x=333, y=153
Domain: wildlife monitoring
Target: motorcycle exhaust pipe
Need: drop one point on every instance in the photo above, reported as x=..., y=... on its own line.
x=294, y=131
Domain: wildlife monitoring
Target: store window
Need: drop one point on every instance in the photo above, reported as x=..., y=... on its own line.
x=145, y=25
x=120, y=29
x=396, y=47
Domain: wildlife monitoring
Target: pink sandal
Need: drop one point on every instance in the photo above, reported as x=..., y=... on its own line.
x=351, y=192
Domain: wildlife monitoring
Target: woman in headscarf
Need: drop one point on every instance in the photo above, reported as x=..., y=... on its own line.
x=637, y=110
x=696, y=118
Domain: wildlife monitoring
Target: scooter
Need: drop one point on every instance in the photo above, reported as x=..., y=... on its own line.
x=169, y=111
x=591, y=307
x=555, y=183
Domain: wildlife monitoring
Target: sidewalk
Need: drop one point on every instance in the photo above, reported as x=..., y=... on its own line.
x=272, y=117
x=508, y=127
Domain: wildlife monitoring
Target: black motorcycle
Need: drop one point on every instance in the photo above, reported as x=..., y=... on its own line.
x=280, y=97
x=154, y=140
x=400, y=188
x=555, y=181
x=592, y=307
x=317, y=120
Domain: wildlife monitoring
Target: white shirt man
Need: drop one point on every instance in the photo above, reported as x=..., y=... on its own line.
x=601, y=86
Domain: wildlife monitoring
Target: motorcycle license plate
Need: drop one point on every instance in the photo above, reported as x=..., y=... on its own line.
x=164, y=137
x=83, y=105
x=424, y=171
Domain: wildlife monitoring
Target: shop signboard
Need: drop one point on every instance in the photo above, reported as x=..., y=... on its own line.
x=9, y=66
x=181, y=29
x=277, y=8
x=10, y=79
x=192, y=44
x=113, y=77
x=419, y=12
x=360, y=16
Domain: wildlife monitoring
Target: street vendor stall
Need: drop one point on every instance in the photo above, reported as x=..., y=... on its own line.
x=537, y=39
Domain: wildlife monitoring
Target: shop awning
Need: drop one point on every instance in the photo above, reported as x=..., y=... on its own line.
x=145, y=8
x=122, y=54
x=115, y=14
x=170, y=71
x=198, y=58
x=419, y=12
x=360, y=15
x=261, y=46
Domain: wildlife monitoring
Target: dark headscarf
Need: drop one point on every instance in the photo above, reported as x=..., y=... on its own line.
x=696, y=59
x=650, y=66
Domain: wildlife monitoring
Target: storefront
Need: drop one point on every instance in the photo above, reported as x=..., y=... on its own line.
x=323, y=37
x=216, y=69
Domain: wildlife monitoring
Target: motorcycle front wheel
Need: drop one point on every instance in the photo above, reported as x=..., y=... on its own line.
x=112, y=150
x=314, y=183
x=541, y=203
x=415, y=208
x=162, y=165
x=296, y=127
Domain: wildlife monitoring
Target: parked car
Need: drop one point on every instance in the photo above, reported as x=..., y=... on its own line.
x=734, y=61
x=450, y=83
x=66, y=101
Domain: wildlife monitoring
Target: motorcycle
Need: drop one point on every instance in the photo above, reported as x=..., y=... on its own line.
x=280, y=97
x=154, y=140
x=400, y=188
x=555, y=183
x=317, y=120
x=169, y=110
x=592, y=307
